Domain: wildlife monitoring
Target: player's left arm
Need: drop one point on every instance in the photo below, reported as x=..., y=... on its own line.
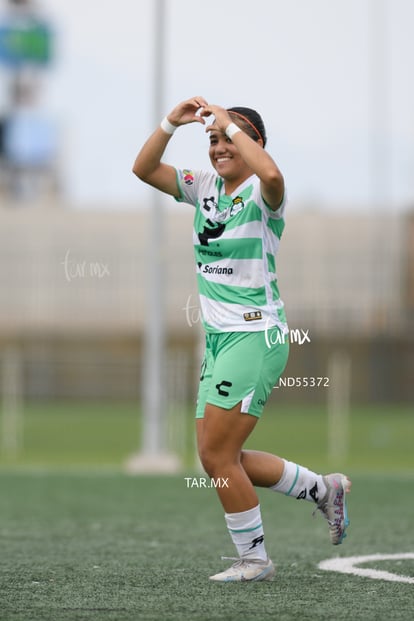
x=272, y=184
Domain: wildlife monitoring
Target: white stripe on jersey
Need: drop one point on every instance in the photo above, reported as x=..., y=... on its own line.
x=225, y=317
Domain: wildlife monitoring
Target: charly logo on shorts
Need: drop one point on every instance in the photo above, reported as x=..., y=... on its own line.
x=226, y=384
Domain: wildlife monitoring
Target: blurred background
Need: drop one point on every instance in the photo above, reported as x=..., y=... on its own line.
x=100, y=336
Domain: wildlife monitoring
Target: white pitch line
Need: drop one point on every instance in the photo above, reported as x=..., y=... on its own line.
x=347, y=565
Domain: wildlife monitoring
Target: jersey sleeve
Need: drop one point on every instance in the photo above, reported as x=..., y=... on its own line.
x=194, y=184
x=278, y=214
x=274, y=217
x=187, y=181
x=273, y=214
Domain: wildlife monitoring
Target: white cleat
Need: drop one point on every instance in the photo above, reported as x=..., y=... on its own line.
x=333, y=506
x=246, y=570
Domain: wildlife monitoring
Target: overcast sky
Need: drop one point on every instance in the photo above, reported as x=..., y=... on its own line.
x=333, y=81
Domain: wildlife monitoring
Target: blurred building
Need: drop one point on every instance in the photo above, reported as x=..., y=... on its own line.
x=73, y=300
x=28, y=137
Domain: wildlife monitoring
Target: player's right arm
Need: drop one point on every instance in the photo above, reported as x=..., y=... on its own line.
x=149, y=168
x=148, y=165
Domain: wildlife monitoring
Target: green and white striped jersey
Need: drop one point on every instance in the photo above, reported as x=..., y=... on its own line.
x=236, y=239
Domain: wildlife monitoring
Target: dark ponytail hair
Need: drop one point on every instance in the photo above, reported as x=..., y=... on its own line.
x=252, y=122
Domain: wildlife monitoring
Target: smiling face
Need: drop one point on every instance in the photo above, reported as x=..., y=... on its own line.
x=226, y=159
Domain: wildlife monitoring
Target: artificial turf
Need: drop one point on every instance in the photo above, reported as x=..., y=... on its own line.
x=111, y=547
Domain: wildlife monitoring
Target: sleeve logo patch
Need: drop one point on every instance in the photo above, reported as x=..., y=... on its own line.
x=188, y=177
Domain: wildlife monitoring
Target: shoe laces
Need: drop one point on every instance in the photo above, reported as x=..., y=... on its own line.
x=239, y=562
x=322, y=510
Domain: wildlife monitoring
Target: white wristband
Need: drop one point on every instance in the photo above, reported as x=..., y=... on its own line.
x=168, y=127
x=231, y=129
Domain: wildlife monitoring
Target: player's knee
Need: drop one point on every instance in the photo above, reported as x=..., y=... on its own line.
x=214, y=462
x=207, y=460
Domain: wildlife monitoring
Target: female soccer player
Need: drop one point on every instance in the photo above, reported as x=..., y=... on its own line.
x=238, y=223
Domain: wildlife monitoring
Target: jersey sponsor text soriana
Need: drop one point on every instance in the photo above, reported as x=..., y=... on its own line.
x=236, y=239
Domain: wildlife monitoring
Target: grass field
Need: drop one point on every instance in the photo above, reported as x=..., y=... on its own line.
x=67, y=434
x=93, y=543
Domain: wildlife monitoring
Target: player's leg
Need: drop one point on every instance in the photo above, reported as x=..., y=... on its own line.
x=278, y=474
x=233, y=366
x=281, y=475
x=221, y=435
x=263, y=469
x=326, y=492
